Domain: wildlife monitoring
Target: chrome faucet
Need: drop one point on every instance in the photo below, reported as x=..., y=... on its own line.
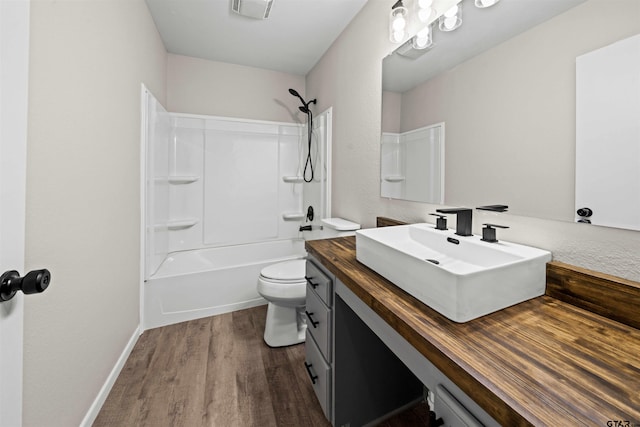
x=463, y=219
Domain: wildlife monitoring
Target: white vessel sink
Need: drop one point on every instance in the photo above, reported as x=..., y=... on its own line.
x=463, y=280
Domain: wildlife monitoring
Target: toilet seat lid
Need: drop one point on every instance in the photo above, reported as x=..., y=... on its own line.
x=287, y=270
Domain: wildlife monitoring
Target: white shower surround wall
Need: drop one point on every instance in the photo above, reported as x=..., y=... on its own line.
x=219, y=209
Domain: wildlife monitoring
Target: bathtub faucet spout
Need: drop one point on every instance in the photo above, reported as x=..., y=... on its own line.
x=305, y=228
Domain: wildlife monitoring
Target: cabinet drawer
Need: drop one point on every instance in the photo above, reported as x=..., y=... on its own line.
x=319, y=323
x=319, y=374
x=320, y=283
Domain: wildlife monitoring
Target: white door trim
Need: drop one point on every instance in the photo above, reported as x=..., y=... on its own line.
x=14, y=80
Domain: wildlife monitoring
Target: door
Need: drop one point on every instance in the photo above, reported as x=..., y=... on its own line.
x=608, y=135
x=14, y=52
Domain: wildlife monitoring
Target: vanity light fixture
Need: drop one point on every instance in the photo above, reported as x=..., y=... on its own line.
x=451, y=19
x=397, y=22
x=485, y=3
x=423, y=13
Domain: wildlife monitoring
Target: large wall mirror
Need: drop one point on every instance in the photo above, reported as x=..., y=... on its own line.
x=508, y=101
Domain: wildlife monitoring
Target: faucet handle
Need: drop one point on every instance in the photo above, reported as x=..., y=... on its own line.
x=441, y=222
x=494, y=208
x=489, y=232
x=453, y=210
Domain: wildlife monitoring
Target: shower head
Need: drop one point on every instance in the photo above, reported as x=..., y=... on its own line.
x=305, y=105
x=305, y=109
x=295, y=93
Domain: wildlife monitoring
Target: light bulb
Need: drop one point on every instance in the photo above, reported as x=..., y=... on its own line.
x=399, y=23
x=451, y=19
x=424, y=4
x=421, y=42
x=485, y=3
x=423, y=39
x=450, y=22
x=424, y=14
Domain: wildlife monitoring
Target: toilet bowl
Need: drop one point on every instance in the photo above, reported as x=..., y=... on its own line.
x=283, y=285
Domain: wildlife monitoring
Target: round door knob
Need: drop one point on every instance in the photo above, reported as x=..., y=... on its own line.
x=584, y=212
x=34, y=282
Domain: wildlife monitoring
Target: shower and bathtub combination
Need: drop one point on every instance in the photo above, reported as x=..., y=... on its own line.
x=223, y=199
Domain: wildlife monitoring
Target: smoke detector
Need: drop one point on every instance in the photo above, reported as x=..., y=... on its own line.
x=257, y=9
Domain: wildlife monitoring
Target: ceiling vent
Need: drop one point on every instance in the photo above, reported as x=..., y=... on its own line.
x=256, y=9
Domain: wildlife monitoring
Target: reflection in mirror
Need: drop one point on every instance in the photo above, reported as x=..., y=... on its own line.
x=412, y=165
x=510, y=107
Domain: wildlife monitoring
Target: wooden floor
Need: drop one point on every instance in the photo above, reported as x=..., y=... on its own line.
x=218, y=371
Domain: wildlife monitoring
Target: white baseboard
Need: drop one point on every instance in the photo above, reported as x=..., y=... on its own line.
x=92, y=414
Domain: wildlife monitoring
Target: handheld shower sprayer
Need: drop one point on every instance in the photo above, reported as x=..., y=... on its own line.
x=295, y=93
x=305, y=105
x=305, y=109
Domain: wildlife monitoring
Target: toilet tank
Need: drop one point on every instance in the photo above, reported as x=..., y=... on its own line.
x=333, y=227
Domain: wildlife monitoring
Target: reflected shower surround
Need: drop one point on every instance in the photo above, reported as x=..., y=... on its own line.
x=412, y=165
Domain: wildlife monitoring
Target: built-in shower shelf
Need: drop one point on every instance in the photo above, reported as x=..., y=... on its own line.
x=181, y=224
x=293, y=179
x=293, y=216
x=394, y=178
x=183, y=179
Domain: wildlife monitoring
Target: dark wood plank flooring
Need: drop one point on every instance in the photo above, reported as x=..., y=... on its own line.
x=218, y=371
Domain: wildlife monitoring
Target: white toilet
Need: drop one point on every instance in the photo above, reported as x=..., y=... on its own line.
x=284, y=286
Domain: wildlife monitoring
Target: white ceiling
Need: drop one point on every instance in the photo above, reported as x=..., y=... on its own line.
x=292, y=40
x=298, y=32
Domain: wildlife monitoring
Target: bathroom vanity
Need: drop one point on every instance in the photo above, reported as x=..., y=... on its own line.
x=355, y=376
x=569, y=357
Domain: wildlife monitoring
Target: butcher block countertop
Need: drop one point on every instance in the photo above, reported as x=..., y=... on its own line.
x=548, y=361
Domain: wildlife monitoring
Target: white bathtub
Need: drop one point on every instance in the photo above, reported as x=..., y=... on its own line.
x=199, y=283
